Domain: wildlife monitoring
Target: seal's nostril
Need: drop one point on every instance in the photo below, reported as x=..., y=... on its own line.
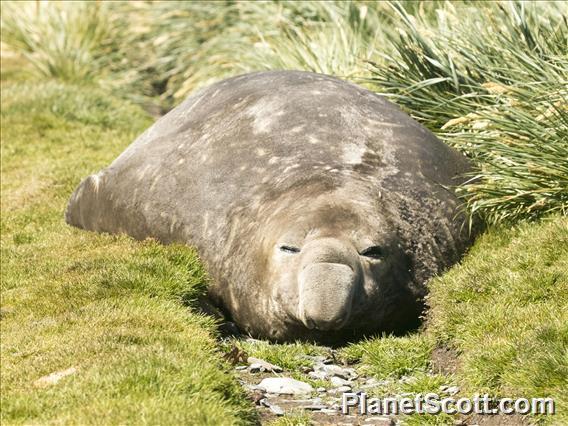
x=323, y=325
x=309, y=323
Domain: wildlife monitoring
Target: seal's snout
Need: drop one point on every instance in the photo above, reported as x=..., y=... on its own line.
x=327, y=283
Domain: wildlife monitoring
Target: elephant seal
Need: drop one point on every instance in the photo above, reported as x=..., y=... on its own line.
x=319, y=208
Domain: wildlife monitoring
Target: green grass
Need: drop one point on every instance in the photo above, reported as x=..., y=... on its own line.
x=289, y=356
x=299, y=418
x=505, y=310
x=110, y=307
x=487, y=77
x=390, y=356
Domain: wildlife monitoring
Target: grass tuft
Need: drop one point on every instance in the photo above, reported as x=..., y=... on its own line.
x=390, y=356
x=490, y=80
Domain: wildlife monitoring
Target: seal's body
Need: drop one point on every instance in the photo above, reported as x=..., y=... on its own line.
x=319, y=208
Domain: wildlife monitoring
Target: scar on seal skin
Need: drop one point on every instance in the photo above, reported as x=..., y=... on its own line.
x=319, y=208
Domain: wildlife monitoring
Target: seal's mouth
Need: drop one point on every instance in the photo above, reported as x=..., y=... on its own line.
x=326, y=295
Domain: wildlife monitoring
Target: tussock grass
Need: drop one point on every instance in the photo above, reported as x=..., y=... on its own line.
x=71, y=41
x=233, y=38
x=490, y=80
x=112, y=308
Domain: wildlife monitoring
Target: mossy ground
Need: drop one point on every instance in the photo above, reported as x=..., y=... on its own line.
x=117, y=310
x=110, y=307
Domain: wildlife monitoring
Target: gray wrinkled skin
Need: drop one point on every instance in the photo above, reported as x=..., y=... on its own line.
x=319, y=208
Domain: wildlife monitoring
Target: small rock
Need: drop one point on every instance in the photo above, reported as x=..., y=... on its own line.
x=285, y=386
x=241, y=367
x=335, y=370
x=452, y=390
x=298, y=401
x=53, y=378
x=276, y=409
x=407, y=379
x=256, y=368
x=321, y=390
x=318, y=375
x=262, y=365
x=340, y=389
x=338, y=381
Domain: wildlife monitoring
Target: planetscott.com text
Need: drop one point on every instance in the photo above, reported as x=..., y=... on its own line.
x=432, y=403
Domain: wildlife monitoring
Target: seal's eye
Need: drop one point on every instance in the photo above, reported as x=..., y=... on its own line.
x=374, y=252
x=289, y=249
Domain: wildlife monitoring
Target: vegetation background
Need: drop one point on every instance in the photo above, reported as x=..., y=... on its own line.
x=81, y=79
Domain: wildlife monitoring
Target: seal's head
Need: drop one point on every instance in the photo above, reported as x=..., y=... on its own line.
x=332, y=270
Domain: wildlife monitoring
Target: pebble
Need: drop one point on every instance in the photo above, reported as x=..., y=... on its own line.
x=335, y=370
x=407, y=379
x=340, y=389
x=452, y=390
x=53, y=378
x=321, y=390
x=318, y=375
x=285, y=386
x=338, y=381
x=256, y=368
x=257, y=365
x=276, y=409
